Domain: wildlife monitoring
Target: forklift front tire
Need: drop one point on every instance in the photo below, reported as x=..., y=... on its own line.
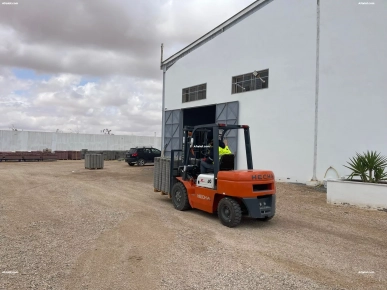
x=180, y=197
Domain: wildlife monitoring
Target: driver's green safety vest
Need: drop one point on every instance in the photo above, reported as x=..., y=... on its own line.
x=223, y=151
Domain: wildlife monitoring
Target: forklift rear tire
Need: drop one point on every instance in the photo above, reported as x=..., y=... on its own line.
x=229, y=212
x=180, y=197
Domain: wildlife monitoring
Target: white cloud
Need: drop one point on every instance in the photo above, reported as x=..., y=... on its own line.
x=62, y=103
x=116, y=43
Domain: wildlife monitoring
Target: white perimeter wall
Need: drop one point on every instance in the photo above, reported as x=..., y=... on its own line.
x=36, y=141
x=353, y=85
x=281, y=37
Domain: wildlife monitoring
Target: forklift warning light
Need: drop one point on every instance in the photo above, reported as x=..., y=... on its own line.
x=245, y=126
x=221, y=125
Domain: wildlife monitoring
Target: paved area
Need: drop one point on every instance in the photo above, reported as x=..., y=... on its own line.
x=65, y=227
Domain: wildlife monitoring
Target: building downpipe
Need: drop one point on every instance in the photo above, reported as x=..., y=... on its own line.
x=163, y=102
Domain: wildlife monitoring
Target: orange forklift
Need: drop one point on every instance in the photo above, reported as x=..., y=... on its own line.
x=228, y=192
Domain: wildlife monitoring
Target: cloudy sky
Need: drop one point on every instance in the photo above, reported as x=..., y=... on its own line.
x=88, y=65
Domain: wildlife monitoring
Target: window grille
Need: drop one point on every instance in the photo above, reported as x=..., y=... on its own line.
x=194, y=93
x=250, y=82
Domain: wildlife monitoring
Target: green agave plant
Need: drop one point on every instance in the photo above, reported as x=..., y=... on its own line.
x=368, y=166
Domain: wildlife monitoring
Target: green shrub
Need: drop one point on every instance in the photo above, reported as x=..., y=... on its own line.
x=369, y=167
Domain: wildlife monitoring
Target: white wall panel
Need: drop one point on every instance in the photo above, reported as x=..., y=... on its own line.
x=280, y=37
x=353, y=87
x=36, y=141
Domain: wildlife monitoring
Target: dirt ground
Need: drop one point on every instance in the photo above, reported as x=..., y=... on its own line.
x=66, y=227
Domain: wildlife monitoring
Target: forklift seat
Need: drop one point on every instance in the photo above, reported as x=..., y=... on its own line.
x=226, y=162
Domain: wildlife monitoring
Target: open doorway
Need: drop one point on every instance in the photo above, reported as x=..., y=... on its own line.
x=200, y=116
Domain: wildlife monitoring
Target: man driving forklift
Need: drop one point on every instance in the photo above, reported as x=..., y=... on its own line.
x=207, y=163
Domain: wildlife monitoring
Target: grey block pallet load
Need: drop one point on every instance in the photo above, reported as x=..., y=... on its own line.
x=161, y=175
x=156, y=174
x=94, y=161
x=167, y=174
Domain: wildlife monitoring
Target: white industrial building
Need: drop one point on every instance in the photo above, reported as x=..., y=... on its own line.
x=319, y=97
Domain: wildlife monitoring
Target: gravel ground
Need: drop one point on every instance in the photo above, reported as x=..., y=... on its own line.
x=65, y=227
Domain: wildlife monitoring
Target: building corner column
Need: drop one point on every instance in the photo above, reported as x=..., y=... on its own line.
x=163, y=114
x=314, y=178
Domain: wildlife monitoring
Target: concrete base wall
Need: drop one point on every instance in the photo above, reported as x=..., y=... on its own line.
x=36, y=141
x=361, y=194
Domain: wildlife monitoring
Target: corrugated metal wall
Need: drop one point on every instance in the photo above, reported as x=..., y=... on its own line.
x=36, y=141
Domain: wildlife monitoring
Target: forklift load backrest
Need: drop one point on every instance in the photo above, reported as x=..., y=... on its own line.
x=226, y=162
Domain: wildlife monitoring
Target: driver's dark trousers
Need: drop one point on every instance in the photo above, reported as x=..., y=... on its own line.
x=204, y=166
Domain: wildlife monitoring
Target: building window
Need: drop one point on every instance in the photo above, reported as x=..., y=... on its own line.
x=194, y=93
x=250, y=82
